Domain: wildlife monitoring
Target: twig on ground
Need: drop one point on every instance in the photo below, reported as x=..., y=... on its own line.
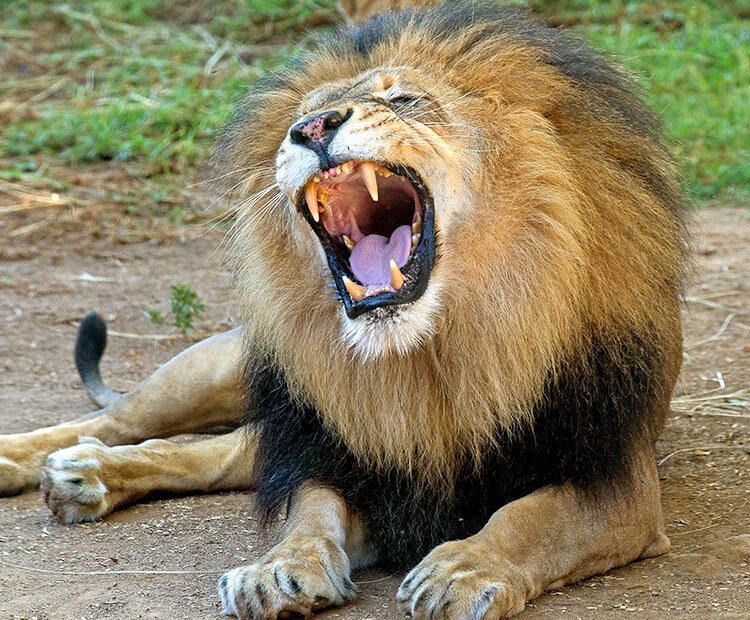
x=29, y=228
x=700, y=529
x=51, y=90
x=713, y=304
x=714, y=295
x=694, y=448
x=716, y=336
x=734, y=404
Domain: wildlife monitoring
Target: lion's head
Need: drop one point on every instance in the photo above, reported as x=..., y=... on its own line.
x=438, y=207
x=376, y=164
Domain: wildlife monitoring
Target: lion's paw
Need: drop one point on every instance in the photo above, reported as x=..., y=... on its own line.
x=459, y=579
x=296, y=578
x=72, y=483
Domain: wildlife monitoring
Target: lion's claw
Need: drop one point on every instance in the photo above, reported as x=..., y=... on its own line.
x=293, y=580
x=459, y=580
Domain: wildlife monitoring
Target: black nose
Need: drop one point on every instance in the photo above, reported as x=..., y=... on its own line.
x=317, y=131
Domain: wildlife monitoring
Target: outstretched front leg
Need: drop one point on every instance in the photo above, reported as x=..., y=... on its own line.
x=90, y=480
x=199, y=390
x=309, y=569
x=554, y=536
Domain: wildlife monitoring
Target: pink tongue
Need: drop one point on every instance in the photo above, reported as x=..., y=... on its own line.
x=371, y=257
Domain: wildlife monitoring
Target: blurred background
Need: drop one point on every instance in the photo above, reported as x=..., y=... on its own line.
x=108, y=108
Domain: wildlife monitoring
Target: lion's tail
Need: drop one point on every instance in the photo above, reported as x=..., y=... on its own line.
x=90, y=345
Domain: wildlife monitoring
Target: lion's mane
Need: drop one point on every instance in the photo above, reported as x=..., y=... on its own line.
x=558, y=338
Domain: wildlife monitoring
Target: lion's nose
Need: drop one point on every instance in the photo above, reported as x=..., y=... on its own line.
x=317, y=132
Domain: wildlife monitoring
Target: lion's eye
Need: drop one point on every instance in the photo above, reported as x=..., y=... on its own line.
x=402, y=100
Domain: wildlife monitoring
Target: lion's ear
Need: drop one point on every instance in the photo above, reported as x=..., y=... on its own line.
x=357, y=11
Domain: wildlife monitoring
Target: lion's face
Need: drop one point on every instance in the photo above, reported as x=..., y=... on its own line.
x=375, y=166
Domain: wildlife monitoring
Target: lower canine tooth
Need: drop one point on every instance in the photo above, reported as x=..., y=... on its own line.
x=415, y=240
x=367, y=170
x=311, y=197
x=357, y=291
x=397, y=279
x=349, y=242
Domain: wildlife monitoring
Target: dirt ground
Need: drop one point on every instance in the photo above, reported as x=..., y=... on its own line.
x=52, y=571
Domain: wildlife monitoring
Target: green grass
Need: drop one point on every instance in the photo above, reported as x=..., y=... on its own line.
x=694, y=59
x=128, y=87
x=151, y=81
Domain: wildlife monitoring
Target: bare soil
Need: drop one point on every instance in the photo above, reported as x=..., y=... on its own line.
x=48, y=570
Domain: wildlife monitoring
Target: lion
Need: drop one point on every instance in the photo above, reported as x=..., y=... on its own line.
x=458, y=251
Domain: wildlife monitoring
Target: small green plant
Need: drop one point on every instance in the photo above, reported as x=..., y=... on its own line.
x=155, y=316
x=184, y=305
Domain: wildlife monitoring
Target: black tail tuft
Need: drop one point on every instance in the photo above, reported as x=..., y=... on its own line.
x=90, y=345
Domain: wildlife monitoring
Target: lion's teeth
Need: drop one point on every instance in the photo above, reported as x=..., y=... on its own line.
x=367, y=169
x=349, y=242
x=397, y=279
x=311, y=197
x=357, y=291
x=416, y=223
x=415, y=240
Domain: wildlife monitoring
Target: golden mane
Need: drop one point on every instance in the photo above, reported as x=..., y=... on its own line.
x=573, y=234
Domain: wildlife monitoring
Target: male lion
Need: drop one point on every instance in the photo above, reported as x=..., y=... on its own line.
x=458, y=254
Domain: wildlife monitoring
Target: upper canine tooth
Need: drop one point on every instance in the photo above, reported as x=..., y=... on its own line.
x=357, y=291
x=367, y=169
x=311, y=197
x=397, y=278
x=349, y=242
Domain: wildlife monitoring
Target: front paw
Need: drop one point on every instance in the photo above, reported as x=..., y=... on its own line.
x=72, y=483
x=462, y=579
x=296, y=578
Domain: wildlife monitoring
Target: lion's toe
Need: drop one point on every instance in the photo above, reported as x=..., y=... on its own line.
x=293, y=580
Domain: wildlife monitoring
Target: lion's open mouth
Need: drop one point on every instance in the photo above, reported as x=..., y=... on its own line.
x=376, y=224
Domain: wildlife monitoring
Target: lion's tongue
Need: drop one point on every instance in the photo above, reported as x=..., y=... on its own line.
x=371, y=257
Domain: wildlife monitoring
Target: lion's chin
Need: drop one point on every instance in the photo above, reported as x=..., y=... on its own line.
x=395, y=330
